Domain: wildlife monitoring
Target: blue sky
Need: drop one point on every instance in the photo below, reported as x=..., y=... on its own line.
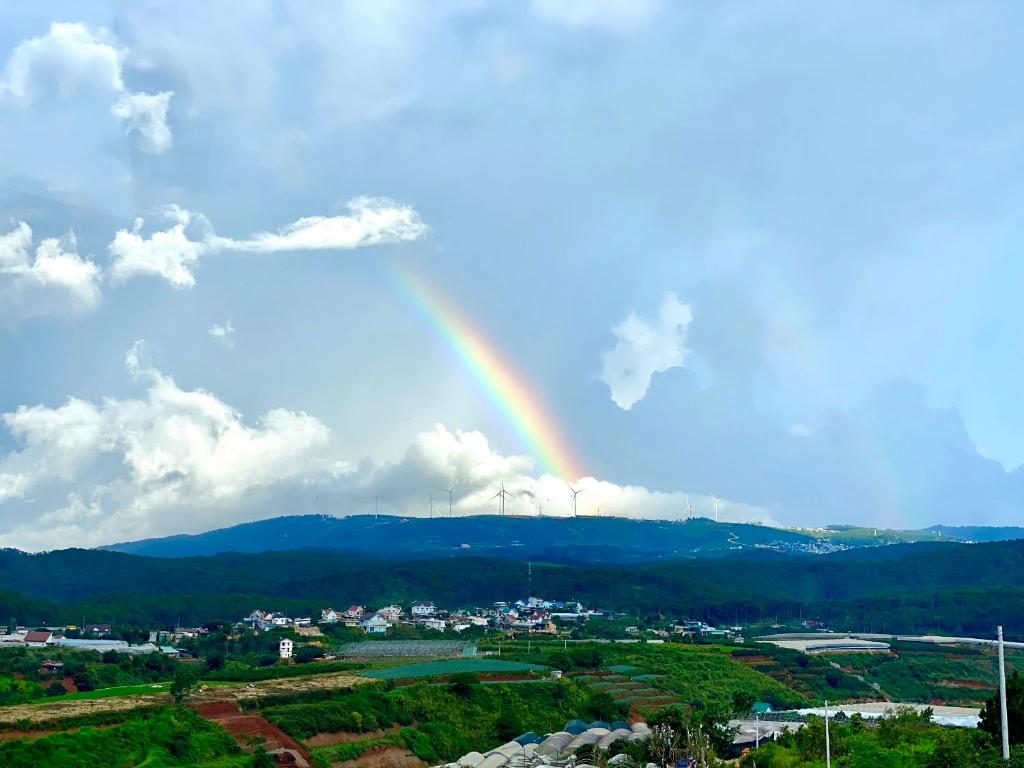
x=797, y=225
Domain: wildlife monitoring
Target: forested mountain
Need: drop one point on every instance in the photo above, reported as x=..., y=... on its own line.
x=555, y=539
x=592, y=539
x=963, y=588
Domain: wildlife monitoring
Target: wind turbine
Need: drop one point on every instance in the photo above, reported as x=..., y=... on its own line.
x=715, y=502
x=451, y=497
x=502, y=494
x=688, y=509
x=575, y=493
x=431, y=506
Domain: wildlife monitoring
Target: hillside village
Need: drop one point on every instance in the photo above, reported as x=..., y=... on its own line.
x=532, y=616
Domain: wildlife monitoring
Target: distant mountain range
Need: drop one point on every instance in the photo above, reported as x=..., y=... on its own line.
x=552, y=539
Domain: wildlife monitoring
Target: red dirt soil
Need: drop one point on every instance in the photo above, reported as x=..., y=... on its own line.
x=974, y=685
x=388, y=757
x=248, y=730
x=347, y=737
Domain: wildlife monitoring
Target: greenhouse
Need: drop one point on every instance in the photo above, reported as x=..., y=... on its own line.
x=556, y=749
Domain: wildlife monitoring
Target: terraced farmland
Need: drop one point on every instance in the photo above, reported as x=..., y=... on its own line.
x=635, y=691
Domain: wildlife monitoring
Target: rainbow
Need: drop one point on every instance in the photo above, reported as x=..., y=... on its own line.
x=521, y=406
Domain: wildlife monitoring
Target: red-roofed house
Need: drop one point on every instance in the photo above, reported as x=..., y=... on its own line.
x=38, y=639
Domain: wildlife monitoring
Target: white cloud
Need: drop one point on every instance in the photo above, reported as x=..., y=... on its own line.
x=644, y=349
x=72, y=57
x=173, y=253
x=625, y=15
x=371, y=221
x=66, y=58
x=225, y=334
x=800, y=430
x=146, y=114
x=171, y=450
x=170, y=253
x=51, y=280
x=177, y=460
x=441, y=458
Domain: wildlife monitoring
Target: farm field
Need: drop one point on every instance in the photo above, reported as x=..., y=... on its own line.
x=957, y=676
x=78, y=706
x=649, y=676
x=451, y=667
x=429, y=722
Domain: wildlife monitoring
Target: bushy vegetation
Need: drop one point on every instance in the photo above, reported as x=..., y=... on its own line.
x=814, y=677
x=166, y=737
x=243, y=673
x=692, y=674
x=449, y=720
x=452, y=667
x=903, y=740
x=24, y=678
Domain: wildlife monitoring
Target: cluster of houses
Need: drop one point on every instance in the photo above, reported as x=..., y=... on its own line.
x=534, y=615
x=423, y=614
x=48, y=636
x=268, y=620
x=94, y=637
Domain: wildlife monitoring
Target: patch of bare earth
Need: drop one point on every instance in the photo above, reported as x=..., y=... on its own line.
x=385, y=757
x=60, y=710
x=974, y=685
x=248, y=731
x=348, y=737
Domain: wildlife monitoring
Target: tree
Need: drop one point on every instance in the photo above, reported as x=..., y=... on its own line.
x=698, y=748
x=461, y=684
x=742, y=702
x=810, y=740
x=956, y=748
x=704, y=725
x=215, y=661
x=186, y=678
x=261, y=759
x=1014, y=711
x=664, y=745
x=83, y=680
x=55, y=689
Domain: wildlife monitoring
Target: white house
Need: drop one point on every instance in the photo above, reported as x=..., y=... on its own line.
x=286, y=647
x=423, y=610
x=329, y=616
x=435, y=624
x=376, y=625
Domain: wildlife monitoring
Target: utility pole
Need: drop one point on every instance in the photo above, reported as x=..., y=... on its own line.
x=757, y=730
x=1003, y=726
x=828, y=747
